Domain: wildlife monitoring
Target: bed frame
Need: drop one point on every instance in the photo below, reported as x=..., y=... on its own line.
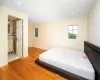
x=93, y=53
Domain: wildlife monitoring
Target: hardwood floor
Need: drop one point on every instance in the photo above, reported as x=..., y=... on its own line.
x=26, y=69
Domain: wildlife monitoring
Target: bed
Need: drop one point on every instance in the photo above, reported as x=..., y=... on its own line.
x=72, y=64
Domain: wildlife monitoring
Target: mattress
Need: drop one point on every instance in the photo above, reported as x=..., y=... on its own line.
x=73, y=61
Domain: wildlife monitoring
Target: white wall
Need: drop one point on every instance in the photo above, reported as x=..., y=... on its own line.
x=94, y=24
x=55, y=34
x=4, y=12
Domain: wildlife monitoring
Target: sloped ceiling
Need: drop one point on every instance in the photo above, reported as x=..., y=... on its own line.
x=43, y=11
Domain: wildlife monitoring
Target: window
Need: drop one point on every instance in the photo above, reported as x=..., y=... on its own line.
x=72, y=31
x=36, y=32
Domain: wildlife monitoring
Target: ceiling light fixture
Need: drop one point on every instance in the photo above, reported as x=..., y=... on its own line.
x=18, y=2
x=72, y=13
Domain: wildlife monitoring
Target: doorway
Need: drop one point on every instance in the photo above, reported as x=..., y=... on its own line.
x=15, y=38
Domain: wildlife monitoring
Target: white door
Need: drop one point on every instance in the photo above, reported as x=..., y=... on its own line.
x=19, y=38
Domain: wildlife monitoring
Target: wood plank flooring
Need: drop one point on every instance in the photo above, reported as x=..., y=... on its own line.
x=26, y=69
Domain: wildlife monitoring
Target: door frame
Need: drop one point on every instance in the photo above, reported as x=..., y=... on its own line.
x=16, y=28
x=22, y=38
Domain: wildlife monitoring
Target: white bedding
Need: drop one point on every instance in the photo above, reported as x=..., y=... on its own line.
x=75, y=62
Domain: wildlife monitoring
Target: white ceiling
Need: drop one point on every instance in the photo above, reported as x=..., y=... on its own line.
x=42, y=11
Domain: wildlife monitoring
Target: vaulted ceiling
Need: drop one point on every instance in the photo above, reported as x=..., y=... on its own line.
x=43, y=11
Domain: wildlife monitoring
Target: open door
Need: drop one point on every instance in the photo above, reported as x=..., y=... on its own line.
x=19, y=38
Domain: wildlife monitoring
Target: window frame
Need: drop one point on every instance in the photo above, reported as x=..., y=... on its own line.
x=35, y=33
x=72, y=31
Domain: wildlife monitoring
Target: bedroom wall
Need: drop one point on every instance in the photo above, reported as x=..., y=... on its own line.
x=30, y=35
x=94, y=24
x=4, y=12
x=55, y=34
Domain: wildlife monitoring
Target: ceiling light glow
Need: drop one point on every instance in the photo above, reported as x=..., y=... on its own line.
x=72, y=13
x=18, y=2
